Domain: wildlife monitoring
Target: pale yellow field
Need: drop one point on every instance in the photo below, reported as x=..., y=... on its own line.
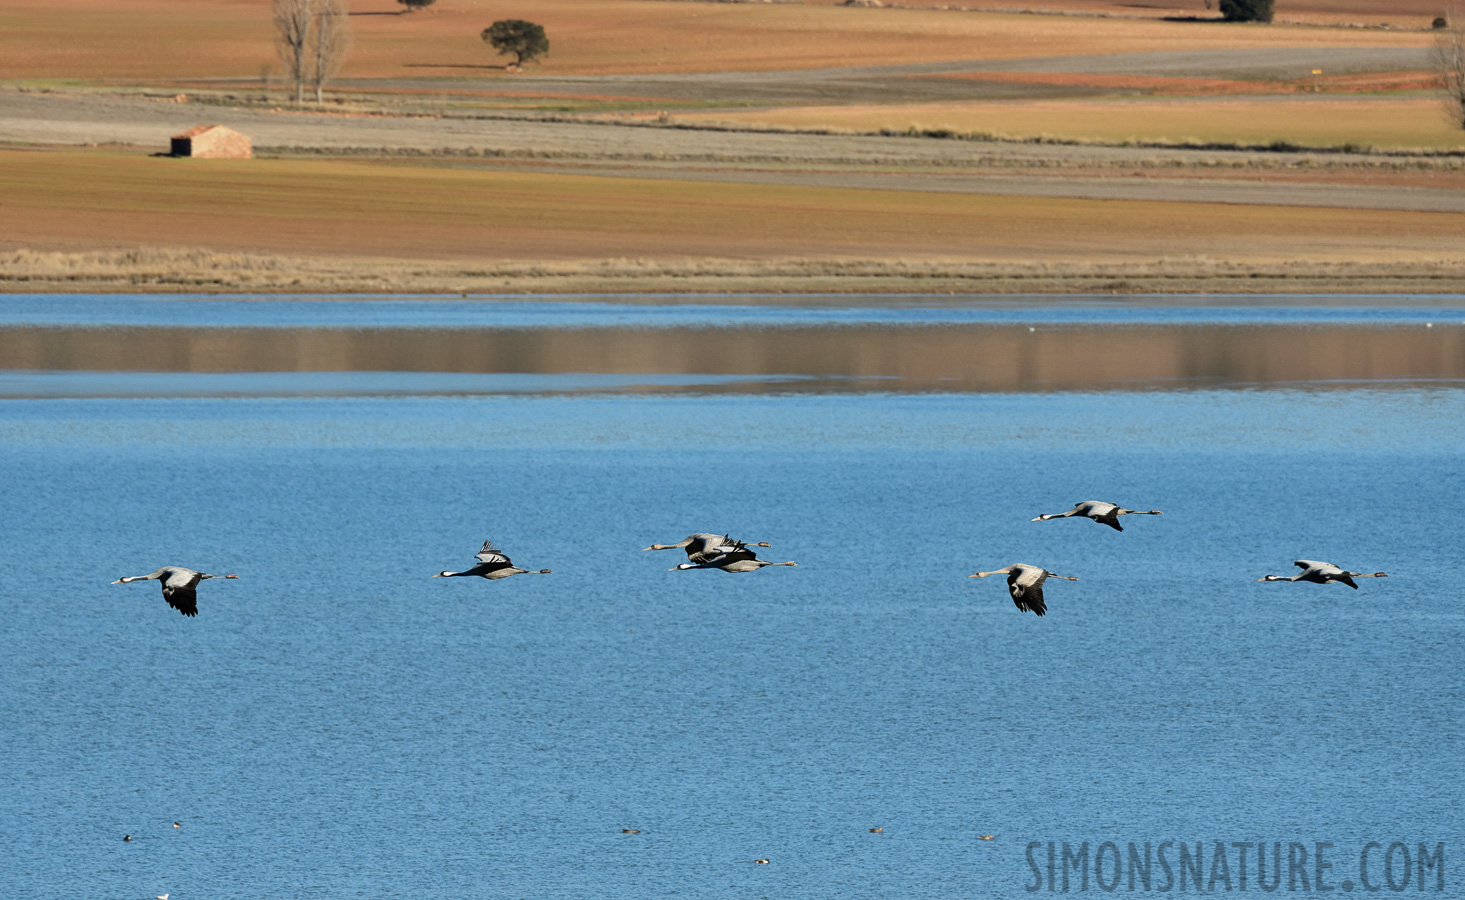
x=1306, y=121
x=162, y=39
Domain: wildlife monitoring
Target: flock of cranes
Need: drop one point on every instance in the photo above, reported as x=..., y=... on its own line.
x=719, y=551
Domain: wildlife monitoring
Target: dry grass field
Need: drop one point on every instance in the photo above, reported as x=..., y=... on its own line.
x=157, y=40
x=381, y=210
x=1417, y=122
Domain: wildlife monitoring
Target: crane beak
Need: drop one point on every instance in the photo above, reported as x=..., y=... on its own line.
x=231, y=576
x=119, y=581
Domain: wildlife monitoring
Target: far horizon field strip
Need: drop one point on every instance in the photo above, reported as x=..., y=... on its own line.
x=157, y=40
x=1406, y=13
x=98, y=200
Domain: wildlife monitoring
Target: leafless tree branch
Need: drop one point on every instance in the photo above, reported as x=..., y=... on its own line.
x=311, y=37
x=292, y=31
x=1449, y=60
x=328, y=41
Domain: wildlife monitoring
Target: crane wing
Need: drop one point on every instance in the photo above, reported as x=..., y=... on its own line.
x=733, y=553
x=489, y=555
x=1312, y=564
x=1025, y=583
x=182, y=598
x=713, y=546
x=1026, y=596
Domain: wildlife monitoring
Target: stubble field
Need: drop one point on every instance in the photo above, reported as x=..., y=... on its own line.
x=1400, y=123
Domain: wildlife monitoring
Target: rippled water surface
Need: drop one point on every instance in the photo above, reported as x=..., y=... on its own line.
x=336, y=723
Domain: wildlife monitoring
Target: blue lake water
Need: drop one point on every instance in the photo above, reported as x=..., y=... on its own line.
x=336, y=723
x=671, y=311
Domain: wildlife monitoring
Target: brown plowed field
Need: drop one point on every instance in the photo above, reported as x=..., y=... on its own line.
x=74, y=200
x=152, y=40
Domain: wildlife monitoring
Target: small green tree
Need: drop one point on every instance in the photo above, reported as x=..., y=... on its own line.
x=1246, y=10
x=523, y=39
x=415, y=5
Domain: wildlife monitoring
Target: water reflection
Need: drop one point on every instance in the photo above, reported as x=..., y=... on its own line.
x=947, y=357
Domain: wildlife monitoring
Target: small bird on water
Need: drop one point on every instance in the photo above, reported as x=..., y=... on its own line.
x=761, y=862
x=127, y=837
x=179, y=586
x=630, y=831
x=1025, y=583
x=877, y=830
x=492, y=565
x=1323, y=573
x=1100, y=511
x=177, y=825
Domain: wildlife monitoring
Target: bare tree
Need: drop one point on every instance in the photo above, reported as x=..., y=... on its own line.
x=328, y=42
x=292, y=31
x=1449, y=60
x=311, y=37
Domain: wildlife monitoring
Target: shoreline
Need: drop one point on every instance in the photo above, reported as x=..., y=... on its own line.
x=197, y=271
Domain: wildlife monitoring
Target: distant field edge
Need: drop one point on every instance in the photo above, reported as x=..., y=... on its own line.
x=1278, y=145
x=197, y=271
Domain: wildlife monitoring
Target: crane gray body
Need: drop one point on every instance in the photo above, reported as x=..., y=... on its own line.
x=1025, y=584
x=1101, y=511
x=180, y=586
x=704, y=546
x=493, y=565
x=1323, y=573
x=734, y=557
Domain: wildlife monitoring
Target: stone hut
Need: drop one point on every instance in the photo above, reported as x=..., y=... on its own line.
x=212, y=142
